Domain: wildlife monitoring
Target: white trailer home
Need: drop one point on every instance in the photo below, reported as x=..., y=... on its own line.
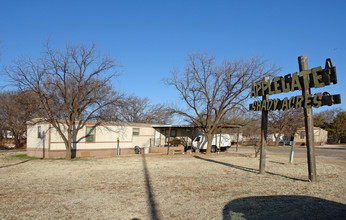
x=43, y=139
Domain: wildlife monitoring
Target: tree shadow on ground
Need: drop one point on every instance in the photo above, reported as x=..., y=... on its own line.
x=329, y=148
x=276, y=162
x=247, y=169
x=15, y=164
x=283, y=207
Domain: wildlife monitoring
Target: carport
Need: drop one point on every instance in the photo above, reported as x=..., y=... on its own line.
x=165, y=134
x=184, y=132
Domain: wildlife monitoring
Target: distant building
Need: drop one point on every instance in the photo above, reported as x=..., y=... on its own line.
x=320, y=136
x=7, y=134
x=6, y=139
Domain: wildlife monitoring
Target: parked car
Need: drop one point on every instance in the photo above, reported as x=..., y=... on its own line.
x=284, y=142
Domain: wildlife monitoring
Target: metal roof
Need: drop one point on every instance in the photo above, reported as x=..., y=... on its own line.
x=172, y=126
x=190, y=126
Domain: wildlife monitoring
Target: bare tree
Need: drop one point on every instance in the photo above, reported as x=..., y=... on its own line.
x=210, y=90
x=139, y=110
x=285, y=123
x=16, y=108
x=73, y=86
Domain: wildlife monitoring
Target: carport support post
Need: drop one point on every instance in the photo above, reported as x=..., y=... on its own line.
x=192, y=132
x=236, y=149
x=309, y=125
x=264, y=128
x=220, y=140
x=169, y=138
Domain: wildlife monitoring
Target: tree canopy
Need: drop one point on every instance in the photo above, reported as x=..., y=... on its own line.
x=337, y=129
x=138, y=110
x=73, y=86
x=211, y=89
x=16, y=108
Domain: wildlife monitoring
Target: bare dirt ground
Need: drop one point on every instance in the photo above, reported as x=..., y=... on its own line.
x=196, y=186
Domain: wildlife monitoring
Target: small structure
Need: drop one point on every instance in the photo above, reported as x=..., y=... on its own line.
x=320, y=136
x=7, y=139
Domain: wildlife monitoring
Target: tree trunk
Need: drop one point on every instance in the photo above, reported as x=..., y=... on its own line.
x=68, y=153
x=209, y=139
x=277, y=138
x=17, y=139
x=277, y=141
x=68, y=148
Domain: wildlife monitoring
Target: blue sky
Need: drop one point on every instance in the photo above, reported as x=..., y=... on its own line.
x=150, y=38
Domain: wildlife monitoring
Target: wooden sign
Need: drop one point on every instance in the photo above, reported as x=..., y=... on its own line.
x=300, y=101
x=304, y=81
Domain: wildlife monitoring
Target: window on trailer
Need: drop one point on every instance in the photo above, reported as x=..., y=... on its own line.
x=135, y=131
x=90, y=134
x=302, y=134
x=39, y=131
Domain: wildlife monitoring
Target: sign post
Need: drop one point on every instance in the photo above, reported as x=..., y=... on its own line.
x=309, y=124
x=264, y=131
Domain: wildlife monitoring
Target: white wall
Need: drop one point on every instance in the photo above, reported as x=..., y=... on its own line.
x=33, y=141
x=105, y=137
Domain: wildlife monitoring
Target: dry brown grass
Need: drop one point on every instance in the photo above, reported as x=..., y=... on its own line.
x=182, y=187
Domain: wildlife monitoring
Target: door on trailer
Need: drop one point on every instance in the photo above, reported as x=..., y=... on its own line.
x=157, y=138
